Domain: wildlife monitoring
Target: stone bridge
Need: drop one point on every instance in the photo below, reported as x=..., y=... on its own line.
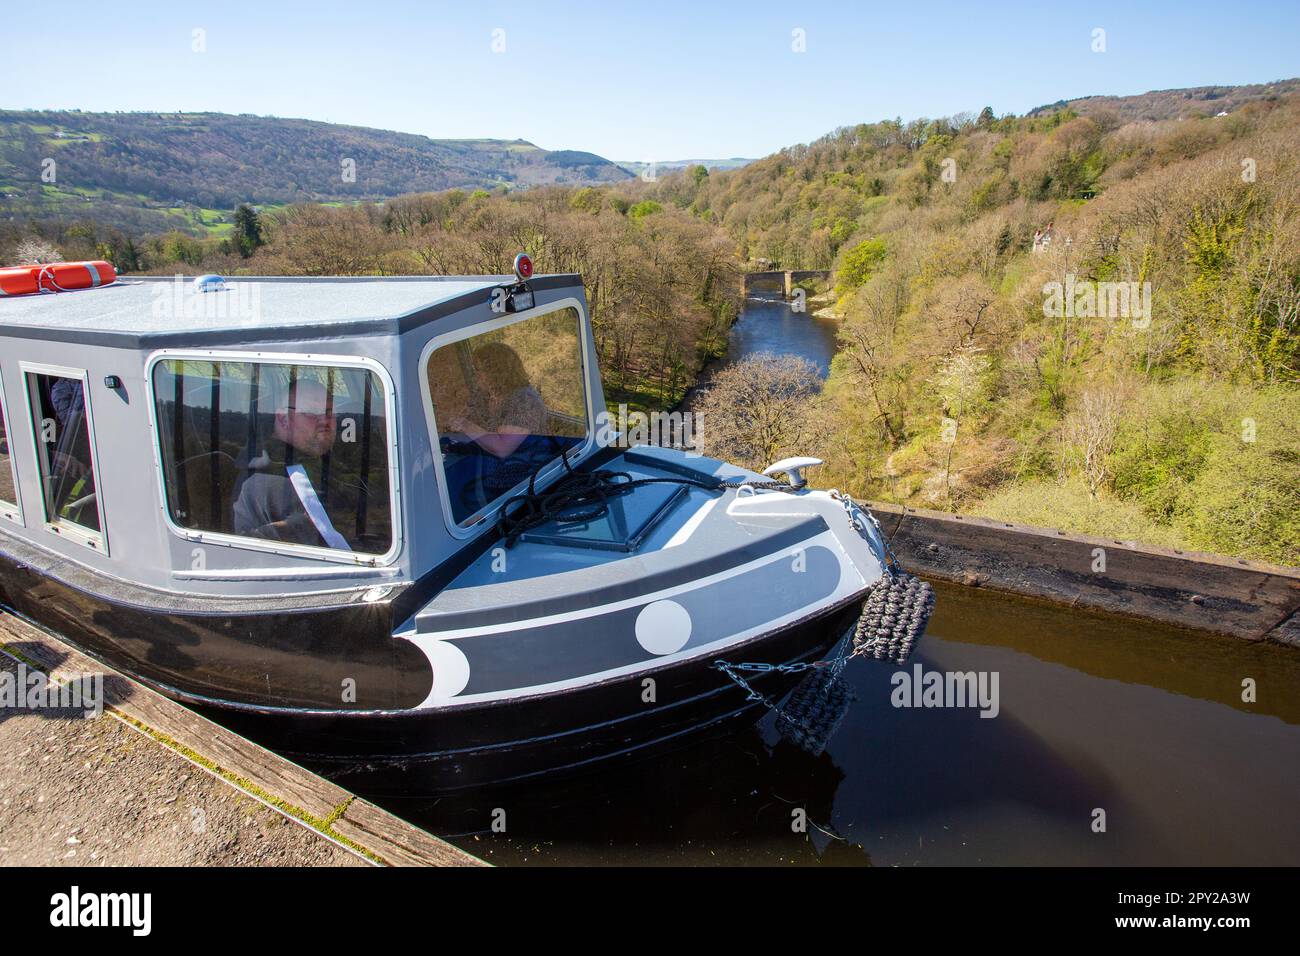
x=786, y=279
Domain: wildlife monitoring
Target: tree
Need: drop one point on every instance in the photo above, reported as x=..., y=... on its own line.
x=647, y=207
x=35, y=251
x=986, y=118
x=1090, y=431
x=757, y=411
x=248, y=230
x=859, y=262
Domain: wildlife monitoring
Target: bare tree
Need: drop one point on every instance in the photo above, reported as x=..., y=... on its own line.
x=1090, y=431
x=867, y=337
x=35, y=251
x=758, y=410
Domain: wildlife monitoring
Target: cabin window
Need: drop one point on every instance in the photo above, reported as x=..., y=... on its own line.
x=8, y=472
x=66, y=455
x=288, y=454
x=506, y=403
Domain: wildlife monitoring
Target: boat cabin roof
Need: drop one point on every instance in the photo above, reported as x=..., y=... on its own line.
x=146, y=310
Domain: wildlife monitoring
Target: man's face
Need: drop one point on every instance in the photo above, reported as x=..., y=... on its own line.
x=306, y=424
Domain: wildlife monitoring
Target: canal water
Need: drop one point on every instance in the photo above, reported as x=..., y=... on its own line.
x=1095, y=715
x=1113, y=742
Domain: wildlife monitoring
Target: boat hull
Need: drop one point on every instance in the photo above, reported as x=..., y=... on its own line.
x=415, y=752
x=446, y=749
x=559, y=671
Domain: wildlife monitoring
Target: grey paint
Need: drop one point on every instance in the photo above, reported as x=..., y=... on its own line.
x=529, y=657
x=481, y=597
x=153, y=312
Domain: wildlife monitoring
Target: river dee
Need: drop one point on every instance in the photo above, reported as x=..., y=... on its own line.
x=769, y=324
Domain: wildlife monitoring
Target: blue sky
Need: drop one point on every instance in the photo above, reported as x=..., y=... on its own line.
x=631, y=81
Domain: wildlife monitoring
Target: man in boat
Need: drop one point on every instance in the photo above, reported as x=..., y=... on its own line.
x=282, y=495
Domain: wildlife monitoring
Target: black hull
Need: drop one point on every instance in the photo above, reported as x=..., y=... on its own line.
x=276, y=653
x=419, y=753
x=213, y=660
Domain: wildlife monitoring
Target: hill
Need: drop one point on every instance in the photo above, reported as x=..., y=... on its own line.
x=672, y=165
x=1162, y=410
x=149, y=172
x=1187, y=103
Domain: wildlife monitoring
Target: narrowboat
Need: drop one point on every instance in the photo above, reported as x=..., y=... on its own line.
x=384, y=526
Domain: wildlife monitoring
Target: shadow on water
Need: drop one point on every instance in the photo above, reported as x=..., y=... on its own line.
x=1141, y=722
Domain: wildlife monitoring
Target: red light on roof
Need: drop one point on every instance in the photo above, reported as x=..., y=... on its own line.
x=523, y=266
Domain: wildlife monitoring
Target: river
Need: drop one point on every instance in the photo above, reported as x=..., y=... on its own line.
x=768, y=324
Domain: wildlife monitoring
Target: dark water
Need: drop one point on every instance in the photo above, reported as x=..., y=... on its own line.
x=768, y=324
x=1142, y=721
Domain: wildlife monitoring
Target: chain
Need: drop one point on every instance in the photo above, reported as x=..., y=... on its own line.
x=856, y=516
x=838, y=658
x=751, y=693
x=835, y=662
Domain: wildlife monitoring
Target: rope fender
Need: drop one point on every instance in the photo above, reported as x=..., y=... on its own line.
x=893, y=618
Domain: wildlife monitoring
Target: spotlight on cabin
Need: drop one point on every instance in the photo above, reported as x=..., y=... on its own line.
x=520, y=298
x=523, y=266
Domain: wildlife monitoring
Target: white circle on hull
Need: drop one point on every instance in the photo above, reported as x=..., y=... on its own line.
x=450, y=669
x=663, y=627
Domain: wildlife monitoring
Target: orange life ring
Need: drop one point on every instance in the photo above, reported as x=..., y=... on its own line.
x=65, y=276
x=18, y=281
x=55, y=277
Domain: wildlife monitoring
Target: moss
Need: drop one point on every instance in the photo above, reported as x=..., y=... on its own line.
x=323, y=826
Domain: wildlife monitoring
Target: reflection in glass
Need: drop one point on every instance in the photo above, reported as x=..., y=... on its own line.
x=67, y=468
x=506, y=403
x=290, y=453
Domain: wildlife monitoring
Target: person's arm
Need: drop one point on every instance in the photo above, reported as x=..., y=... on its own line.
x=296, y=530
x=502, y=443
x=253, y=515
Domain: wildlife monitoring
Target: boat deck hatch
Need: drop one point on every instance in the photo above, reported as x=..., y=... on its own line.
x=622, y=528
